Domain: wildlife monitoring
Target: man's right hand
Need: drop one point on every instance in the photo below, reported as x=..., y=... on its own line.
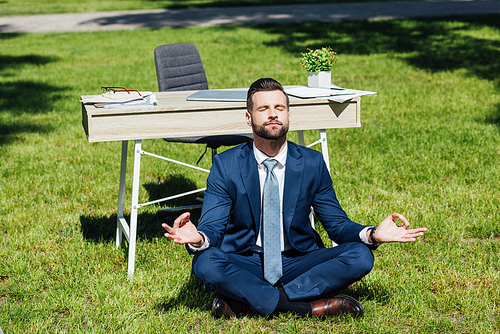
x=184, y=231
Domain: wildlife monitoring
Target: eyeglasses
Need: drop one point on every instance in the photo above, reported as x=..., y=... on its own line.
x=113, y=90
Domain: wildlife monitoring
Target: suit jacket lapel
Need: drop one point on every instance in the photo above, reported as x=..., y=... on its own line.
x=250, y=177
x=293, y=181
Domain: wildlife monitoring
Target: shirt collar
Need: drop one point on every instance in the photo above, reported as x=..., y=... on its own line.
x=261, y=156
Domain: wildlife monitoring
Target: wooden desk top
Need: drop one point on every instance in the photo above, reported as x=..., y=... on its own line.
x=176, y=117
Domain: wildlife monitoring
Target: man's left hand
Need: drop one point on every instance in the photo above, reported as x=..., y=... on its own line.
x=389, y=231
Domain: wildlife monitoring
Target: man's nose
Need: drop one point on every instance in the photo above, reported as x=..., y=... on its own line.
x=272, y=113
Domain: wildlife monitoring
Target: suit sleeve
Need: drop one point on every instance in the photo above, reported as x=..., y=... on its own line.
x=328, y=210
x=216, y=204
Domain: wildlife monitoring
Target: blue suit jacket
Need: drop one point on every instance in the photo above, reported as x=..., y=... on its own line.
x=231, y=205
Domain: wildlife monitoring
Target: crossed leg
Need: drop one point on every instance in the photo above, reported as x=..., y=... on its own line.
x=306, y=276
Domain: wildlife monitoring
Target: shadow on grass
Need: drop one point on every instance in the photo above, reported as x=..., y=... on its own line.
x=11, y=132
x=494, y=118
x=192, y=295
x=103, y=228
x=240, y=3
x=4, y=36
x=26, y=97
x=170, y=186
x=14, y=62
x=21, y=98
x=431, y=44
x=373, y=292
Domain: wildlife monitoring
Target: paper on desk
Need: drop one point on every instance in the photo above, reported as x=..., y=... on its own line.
x=116, y=97
x=332, y=93
x=146, y=102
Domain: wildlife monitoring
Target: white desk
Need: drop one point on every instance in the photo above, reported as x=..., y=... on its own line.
x=169, y=119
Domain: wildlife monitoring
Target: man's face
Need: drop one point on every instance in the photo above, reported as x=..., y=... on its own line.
x=270, y=118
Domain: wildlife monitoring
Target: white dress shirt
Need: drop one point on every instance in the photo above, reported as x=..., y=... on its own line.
x=279, y=171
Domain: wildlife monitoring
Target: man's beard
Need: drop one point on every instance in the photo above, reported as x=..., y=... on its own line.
x=261, y=131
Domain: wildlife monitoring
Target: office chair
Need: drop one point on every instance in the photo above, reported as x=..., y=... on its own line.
x=179, y=67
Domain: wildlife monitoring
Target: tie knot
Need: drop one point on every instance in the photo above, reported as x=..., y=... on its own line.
x=270, y=164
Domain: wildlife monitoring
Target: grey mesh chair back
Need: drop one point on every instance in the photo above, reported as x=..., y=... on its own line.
x=179, y=67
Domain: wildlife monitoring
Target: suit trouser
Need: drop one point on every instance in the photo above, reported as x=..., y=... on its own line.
x=306, y=276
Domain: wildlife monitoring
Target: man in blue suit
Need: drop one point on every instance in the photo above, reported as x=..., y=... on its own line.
x=245, y=195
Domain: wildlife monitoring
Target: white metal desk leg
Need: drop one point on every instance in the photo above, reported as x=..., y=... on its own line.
x=121, y=194
x=300, y=137
x=133, y=211
x=324, y=148
x=326, y=157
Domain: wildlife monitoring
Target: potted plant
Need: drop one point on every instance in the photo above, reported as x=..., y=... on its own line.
x=318, y=64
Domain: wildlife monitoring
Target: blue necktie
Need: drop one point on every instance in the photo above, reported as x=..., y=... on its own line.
x=271, y=225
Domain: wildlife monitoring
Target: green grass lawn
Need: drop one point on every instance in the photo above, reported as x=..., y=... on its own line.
x=24, y=7
x=428, y=148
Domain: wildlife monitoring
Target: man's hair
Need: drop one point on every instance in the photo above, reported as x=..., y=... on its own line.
x=264, y=85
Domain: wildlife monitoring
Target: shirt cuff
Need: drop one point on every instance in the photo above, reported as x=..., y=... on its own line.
x=205, y=245
x=362, y=235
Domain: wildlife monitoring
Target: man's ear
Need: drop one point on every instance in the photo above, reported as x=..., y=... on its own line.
x=248, y=118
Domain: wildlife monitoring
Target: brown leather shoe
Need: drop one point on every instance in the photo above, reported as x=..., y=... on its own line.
x=224, y=307
x=335, y=306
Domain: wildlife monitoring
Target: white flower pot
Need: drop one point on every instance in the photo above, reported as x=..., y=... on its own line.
x=319, y=79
